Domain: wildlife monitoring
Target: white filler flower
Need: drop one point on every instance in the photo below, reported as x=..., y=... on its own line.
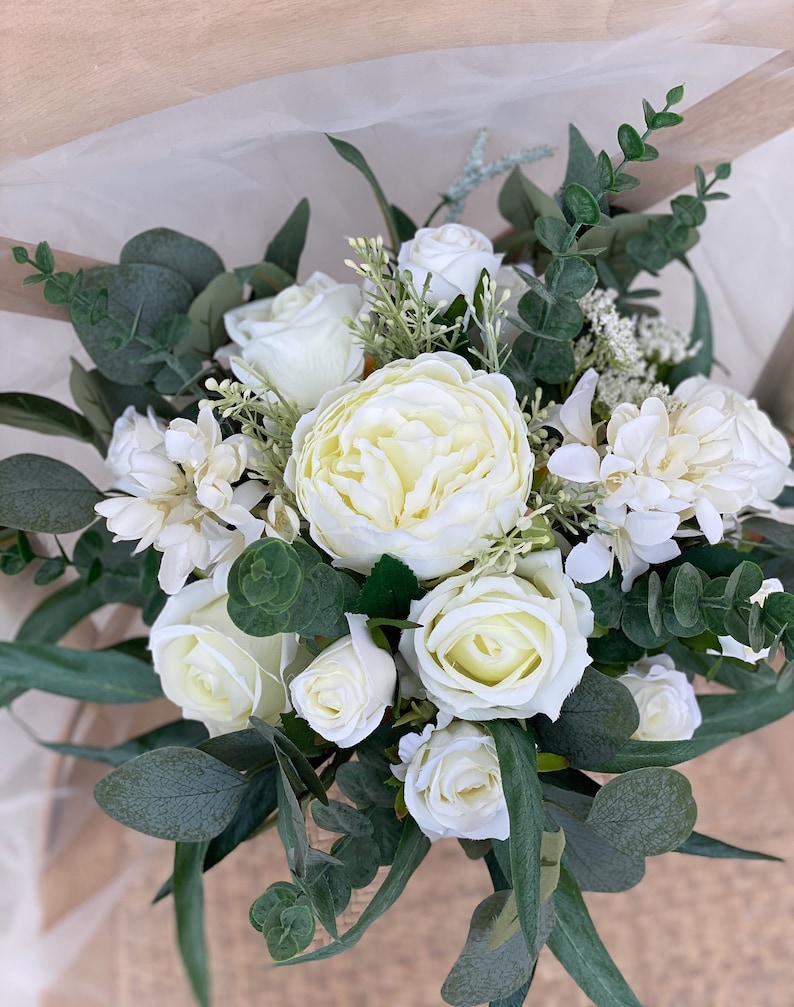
x=453, y=256
x=425, y=460
x=298, y=341
x=213, y=670
x=668, y=707
x=504, y=645
x=453, y=783
x=345, y=691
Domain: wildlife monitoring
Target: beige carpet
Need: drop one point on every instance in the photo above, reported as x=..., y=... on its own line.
x=694, y=933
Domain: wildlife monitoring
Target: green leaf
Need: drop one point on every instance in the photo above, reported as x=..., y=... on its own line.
x=578, y=948
x=20, y=253
x=183, y=733
x=687, y=592
x=281, y=893
x=389, y=590
x=675, y=95
x=614, y=648
x=698, y=845
x=44, y=416
x=406, y=228
x=584, y=168
x=291, y=752
x=570, y=277
x=521, y=202
x=196, y=262
x=553, y=233
x=288, y=931
x=181, y=794
x=365, y=785
x=518, y=765
x=664, y=119
x=645, y=811
x=99, y=676
x=41, y=494
x=607, y=599
x=552, y=360
x=44, y=258
x=595, y=722
x=59, y=612
x=606, y=173
x=742, y=712
x=631, y=143
x=582, y=204
x=156, y=291
x=482, y=974
x=360, y=858
x=339, y=817
x=411, y=851
x=189, y=906
x=208, y=332
x=701, y=362
x=561, y=320
x=267, y=279
x=287, y=246
x=354, y=156
x=596, y=864
x=688, y=210
x=639, y=754
x=624, y=182
x=722, y=171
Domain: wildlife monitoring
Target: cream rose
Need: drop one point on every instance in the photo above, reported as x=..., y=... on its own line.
x=133, y=431
x=345, y=691
x=213, y=670
x=501, y=645
x=453, y=256
x=754, y=438
x=665, y=698
x=298, y=341
x=453, y=783
x=424, y=460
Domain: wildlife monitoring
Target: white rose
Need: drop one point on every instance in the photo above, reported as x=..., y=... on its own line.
x=665, y=698
x=502, y=645
x=298, y=341
x=425, y=460
x=754, y=438
x=345, y=691
x=453, y=783
x=133, y=432
x=213, y=670
x=732, y=647
x=453, y=256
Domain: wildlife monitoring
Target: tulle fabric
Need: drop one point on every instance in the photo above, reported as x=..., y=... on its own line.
x=227, y=169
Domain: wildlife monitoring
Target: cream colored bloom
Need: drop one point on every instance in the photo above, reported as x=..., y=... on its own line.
x=424, y=460
x=133, y=431
x=211, y=669
x=298, y=342
x=453, y=256
x=453, y=782
x=501, y=645
x=347, y=688
x=668, y=707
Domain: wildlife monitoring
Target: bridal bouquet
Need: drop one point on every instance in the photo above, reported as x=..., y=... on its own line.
x=420, y=548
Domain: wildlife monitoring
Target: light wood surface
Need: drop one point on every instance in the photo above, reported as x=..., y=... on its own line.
x=70, y=69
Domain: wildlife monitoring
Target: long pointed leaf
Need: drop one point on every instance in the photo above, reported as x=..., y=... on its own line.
x=356, y=158
x=189, y=907
x=698, y=845
x=575, y=943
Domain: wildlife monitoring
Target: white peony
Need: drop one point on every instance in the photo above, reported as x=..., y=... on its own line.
x=732, y=647
x=453, y=782
x=133, y=431
x=425, y=460
x=183, y=500
x=668, y=707
x=501, y=645
x=345, y=691
x=298, y=342
x=213, y=670
x=755, y=440
x=453, y=256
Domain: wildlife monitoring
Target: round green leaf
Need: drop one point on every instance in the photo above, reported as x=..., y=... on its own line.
x=41, y=494
x=288, y=931
x=281, y=893
x=582, y=204
x=631, y=143
x=160, y=291
x=189, y=257
x=644, y=812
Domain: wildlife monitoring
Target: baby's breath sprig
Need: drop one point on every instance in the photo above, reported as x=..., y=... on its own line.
x=532, y=533
x=268, y=419
x=571, y=507
x=400, y=324
x=488, y=316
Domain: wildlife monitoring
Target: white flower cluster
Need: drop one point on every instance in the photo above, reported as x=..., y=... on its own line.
x=186, y=498
x=661, y=466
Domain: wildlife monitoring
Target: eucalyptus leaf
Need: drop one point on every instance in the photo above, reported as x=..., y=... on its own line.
x=208, y=332
x=181, y=794
x=189, y=906
x=41, y=494
x=645, y=811
x=44, y=416
x=184, y=733
x=639, y=754
x=743, y=712
x=195, y=261
x=698, y=845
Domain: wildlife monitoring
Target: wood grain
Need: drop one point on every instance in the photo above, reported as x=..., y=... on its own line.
x=70, y=69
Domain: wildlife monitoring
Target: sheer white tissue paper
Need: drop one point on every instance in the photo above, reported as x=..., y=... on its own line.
x=228, y=168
